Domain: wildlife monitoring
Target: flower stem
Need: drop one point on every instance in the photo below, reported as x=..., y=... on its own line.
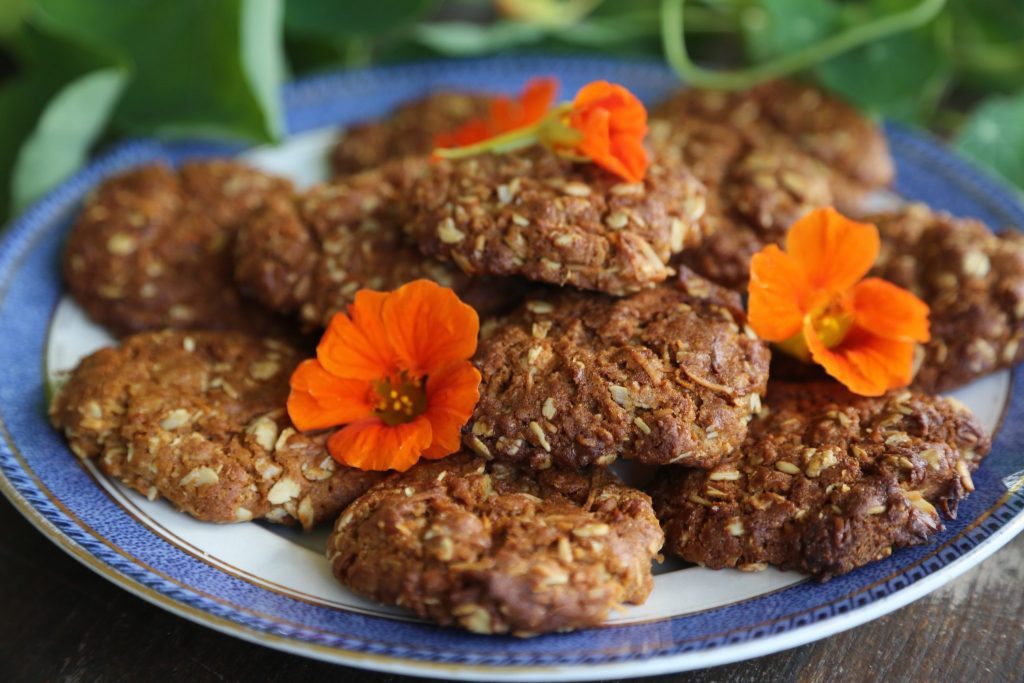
x=506, y=142
x=674, y=41
x=549, y=130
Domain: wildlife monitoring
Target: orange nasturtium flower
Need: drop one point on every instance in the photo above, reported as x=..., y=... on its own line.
x=605, y=124
x=813, y=301
x=613, y=123
x=505, y=114
x=395, y=372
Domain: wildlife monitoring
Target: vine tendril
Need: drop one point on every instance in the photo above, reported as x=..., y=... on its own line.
x=674, y=42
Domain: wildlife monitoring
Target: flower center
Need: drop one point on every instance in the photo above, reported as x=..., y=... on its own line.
x=831, y=323
x=401, y=399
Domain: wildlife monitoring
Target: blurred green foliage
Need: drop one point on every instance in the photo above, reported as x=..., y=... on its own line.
x=78, y=73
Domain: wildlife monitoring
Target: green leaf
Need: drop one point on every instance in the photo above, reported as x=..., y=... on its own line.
x=52, y=112
x=774, y=27
x=200, y=66
x=994, y=137
x=902, y=77
x=616, y=22
x=339, y=19
x=263, y=58
x=990, y=43
x=991, y=21
x=68, y=126
x=465, y=38
x=12, y=12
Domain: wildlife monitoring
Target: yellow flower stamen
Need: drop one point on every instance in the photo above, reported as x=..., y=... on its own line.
x=401, y=399
x=831, y=322
x=832, y=328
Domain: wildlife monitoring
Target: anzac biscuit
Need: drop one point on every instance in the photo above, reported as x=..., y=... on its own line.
x=817, y=122
x=309, y=254
x=767, y=155
x=199, y=419
x=537, y=214
x=763, y=193
x=724, y=255
x=409, y=131
x=669, y=375
x=972, y=279
x=771, y=188
x=829, y=129
x=706, y=148
x=825, y=482
x=496, y=549
x=152, y=248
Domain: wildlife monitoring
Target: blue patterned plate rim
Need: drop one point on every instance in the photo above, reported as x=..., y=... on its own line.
x=70, y=510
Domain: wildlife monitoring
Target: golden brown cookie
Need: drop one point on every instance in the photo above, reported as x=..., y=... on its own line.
x=309, y=254
x=410, y=130
x=537, y=214
x=767, y=155
x=199, y=419
x=669, y=375
x=825, y=482
x=152, y=247
x=496, y=549
x=973, y=281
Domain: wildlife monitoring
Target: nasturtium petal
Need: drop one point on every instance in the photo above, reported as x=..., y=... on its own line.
x=372, y=445
x=866, y=364
x=452, y=394
x=429, y=327
x=319, y=399
x=838, y=365
x=889, y=311
x=356, y=345
x=834, y=251
x=778, y=295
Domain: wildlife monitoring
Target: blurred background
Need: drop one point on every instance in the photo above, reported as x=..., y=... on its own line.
x=77, y=75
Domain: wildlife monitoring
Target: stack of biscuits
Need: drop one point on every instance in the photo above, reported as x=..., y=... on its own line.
x=613, y=328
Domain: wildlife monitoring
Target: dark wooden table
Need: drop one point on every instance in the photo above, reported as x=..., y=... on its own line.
x=62, y=622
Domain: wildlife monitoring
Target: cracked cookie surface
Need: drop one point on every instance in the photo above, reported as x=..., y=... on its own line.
x=767, y=156
x=539, y=215
x=199, y=419
x=409, y=130
x=498, y=549
x=309, y=254
x=973, y=281
x=763, y=192
x=819, y=123
x=151, y=248
x=825, y=482
x=669, y=375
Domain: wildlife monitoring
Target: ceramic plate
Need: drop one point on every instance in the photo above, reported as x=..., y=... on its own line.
x=274, y=587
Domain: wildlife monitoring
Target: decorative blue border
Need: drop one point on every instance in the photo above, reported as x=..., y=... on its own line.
x=43, y=474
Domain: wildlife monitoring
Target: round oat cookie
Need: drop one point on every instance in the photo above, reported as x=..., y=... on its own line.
x=310, y=253
x=408, y=131
x=825, y=482
x=771, y=188
x=765, y=190
x=973, y=281
x=537, y=214
x=757, y=186
x=708, y=149
x=152, y=248
x=724, y=255
x=496, y=549
x=830, y=129
x=669, y=375
x=199, y=418
x=822, y=125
